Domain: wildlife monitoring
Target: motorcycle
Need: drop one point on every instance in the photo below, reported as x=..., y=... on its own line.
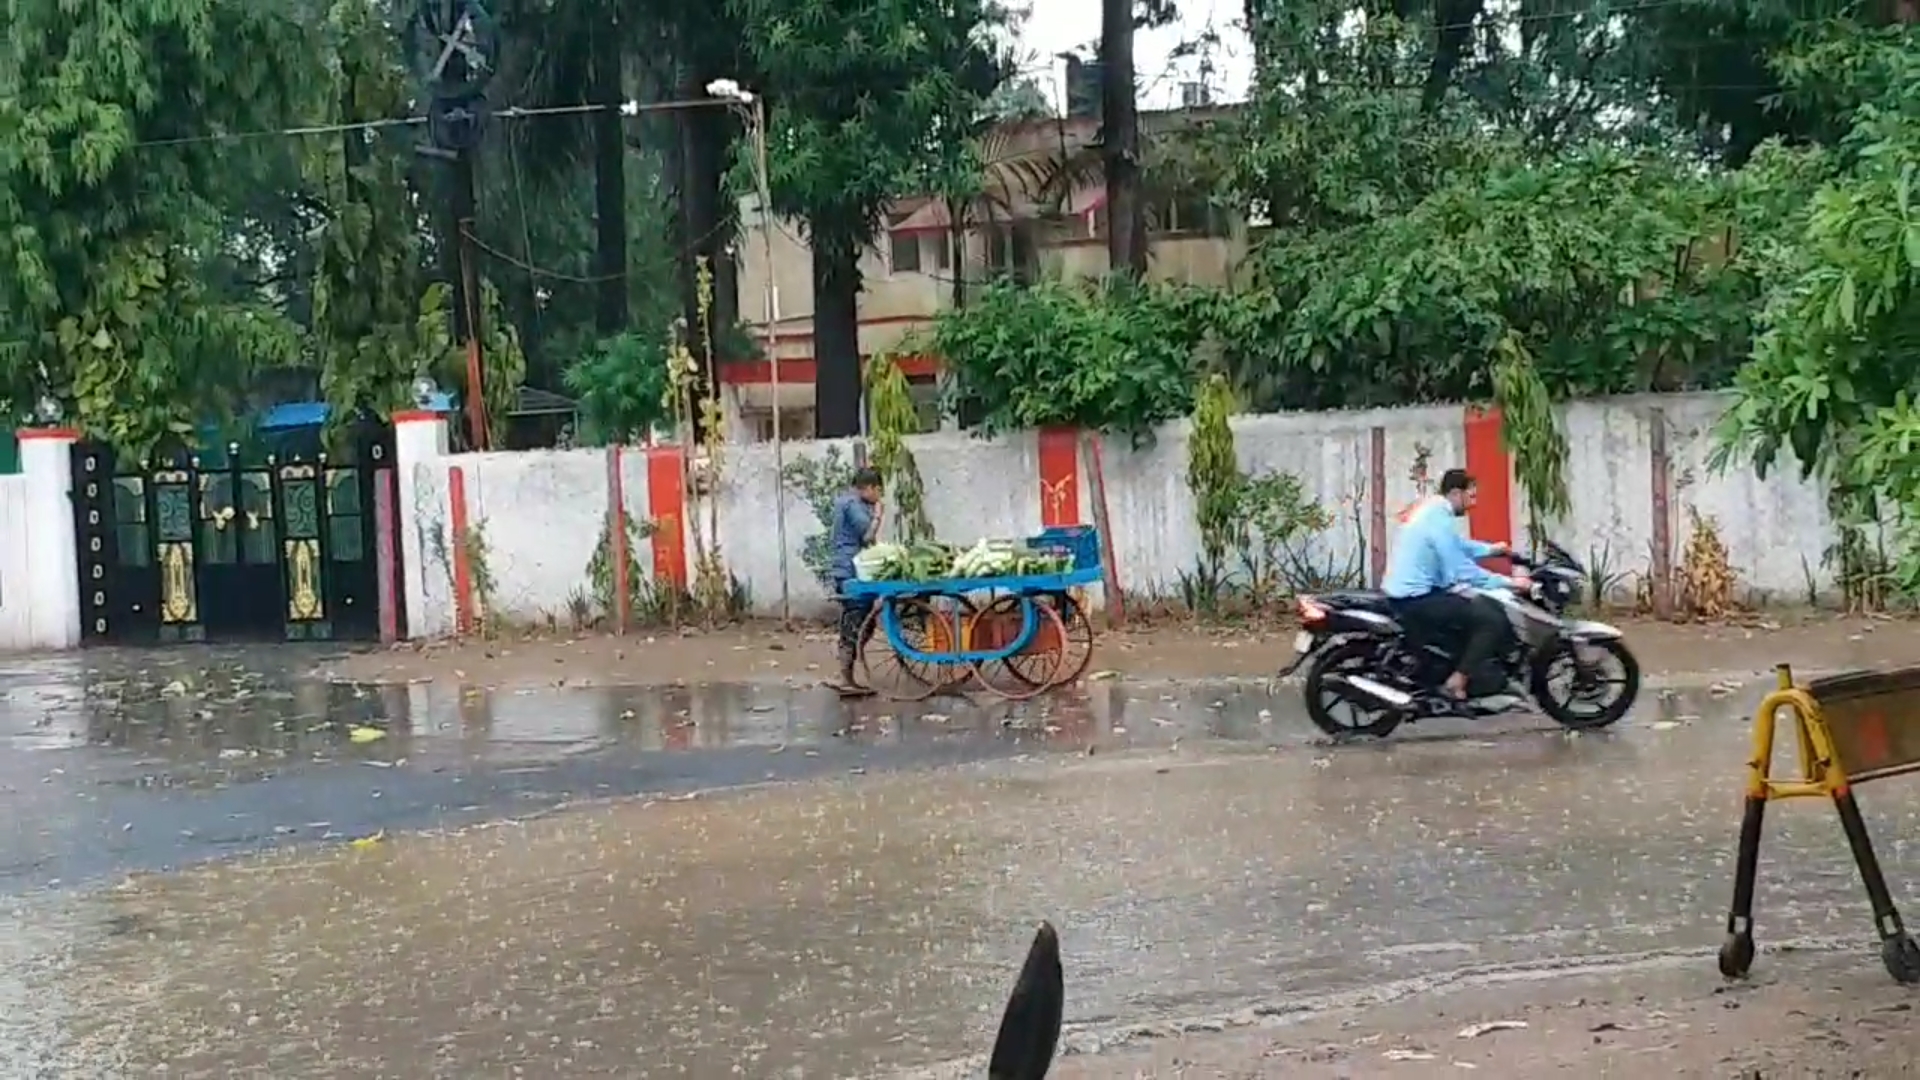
x=1357, y=655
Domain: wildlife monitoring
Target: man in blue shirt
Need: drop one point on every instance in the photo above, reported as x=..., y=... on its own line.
x=857, y=515
x=1431, y=568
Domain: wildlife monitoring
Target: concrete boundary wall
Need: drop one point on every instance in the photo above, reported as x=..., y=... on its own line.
x=1637, y=473
x=39, y=566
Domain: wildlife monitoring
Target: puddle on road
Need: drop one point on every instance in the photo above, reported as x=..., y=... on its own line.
x=832, y=928
x=243, y=715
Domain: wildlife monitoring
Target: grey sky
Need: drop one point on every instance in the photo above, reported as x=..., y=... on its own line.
x=1055, y=26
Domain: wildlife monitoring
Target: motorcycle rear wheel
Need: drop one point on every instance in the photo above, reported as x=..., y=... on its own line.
x=1369, y=718
x=1574, y=710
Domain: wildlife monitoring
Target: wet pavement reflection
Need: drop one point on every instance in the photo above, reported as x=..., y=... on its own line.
x=838, y=928
x=1199, y=849
x=115, y=762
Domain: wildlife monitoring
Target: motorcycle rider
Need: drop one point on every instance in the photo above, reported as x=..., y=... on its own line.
x=1431, y=571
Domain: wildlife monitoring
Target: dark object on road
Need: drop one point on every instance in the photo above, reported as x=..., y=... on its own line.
x=1359, y=656
x=1030, y=1028
x=1848, y=729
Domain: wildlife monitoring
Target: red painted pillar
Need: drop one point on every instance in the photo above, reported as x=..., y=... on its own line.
x=1491, y=517
x=667, y=506
x=1059, y=453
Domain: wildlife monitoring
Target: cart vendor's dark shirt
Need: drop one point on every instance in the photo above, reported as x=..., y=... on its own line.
x=852, y=517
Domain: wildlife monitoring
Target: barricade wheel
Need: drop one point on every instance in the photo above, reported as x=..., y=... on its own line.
x=1902, y=958
x=1736, y=956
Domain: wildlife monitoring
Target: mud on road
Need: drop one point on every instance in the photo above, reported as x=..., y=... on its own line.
x=871, y=924
x=763, y=652
x=1806, y=1014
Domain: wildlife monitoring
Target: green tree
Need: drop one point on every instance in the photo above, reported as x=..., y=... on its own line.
x=1018, y=99
x=113, y=202
x=1834, y=382
x=867, y=99
x=369, y=278
x=622, y=385
x=1112, y=356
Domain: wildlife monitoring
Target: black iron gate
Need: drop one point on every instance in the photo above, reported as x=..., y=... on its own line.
x=185, y=547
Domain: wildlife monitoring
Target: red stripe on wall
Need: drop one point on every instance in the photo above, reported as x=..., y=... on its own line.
x=617, y=540
x=667, y=506
x=387, y=579
x=1491, y=517
x=1377, y=504
x=1059, y=477
x=1661, y=471
x=462, y=568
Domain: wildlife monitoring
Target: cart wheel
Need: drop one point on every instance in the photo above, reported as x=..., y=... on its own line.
x=1078, y=639
x=1902, y=958
x=1736, y=956
x=1023, y=675
x=885, y=671
x=1075, y=643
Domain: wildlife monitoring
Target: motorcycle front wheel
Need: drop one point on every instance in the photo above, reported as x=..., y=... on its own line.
x=1340, y=711
x=1586, y=685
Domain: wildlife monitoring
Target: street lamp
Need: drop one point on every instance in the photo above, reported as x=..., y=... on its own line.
x=753, y=109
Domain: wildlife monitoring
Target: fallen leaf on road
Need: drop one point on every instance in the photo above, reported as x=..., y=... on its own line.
x=366, y=734
x=1476, y=1030
x=1408, y=1055
x=370, y=841
x=1102, y=676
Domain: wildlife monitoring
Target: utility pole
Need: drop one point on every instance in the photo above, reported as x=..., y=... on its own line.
x=457, y=41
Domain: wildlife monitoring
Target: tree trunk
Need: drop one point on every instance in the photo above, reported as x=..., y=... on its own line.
x=705, y=135
x=957, y=251
x=609, y=188
x=1120, y=143
x=836, y=338
x=1453, y=26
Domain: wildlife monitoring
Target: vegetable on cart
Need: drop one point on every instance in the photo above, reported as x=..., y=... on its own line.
x=1001, y=612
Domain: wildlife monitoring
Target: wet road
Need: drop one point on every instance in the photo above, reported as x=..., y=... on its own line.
x=113, y=763
x=1207, y=858
x=117, y=762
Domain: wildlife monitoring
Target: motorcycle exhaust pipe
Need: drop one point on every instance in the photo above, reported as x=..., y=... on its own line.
x=1380, y=692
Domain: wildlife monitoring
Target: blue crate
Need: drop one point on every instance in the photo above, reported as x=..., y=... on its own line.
x=1080, y=541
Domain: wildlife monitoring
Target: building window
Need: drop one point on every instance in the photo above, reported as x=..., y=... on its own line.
x=905, y=256
x=794, y=424
x=925, y=391
x=1192, y=213
x=1011, y=251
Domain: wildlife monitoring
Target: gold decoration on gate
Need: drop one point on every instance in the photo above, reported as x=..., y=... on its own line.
x=303, y=580
x=176, y=583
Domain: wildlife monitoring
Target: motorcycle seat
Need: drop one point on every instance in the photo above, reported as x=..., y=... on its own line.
x=1359, y=600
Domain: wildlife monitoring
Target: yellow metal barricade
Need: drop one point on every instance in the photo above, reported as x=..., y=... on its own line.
x=1848, y=729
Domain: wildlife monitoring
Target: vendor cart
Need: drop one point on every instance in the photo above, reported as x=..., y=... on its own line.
x=1015, y=635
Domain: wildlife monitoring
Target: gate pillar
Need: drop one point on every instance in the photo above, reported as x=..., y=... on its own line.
x=48, y=589
x=418, y=435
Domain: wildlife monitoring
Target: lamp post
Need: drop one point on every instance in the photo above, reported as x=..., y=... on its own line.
x=753, y=109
